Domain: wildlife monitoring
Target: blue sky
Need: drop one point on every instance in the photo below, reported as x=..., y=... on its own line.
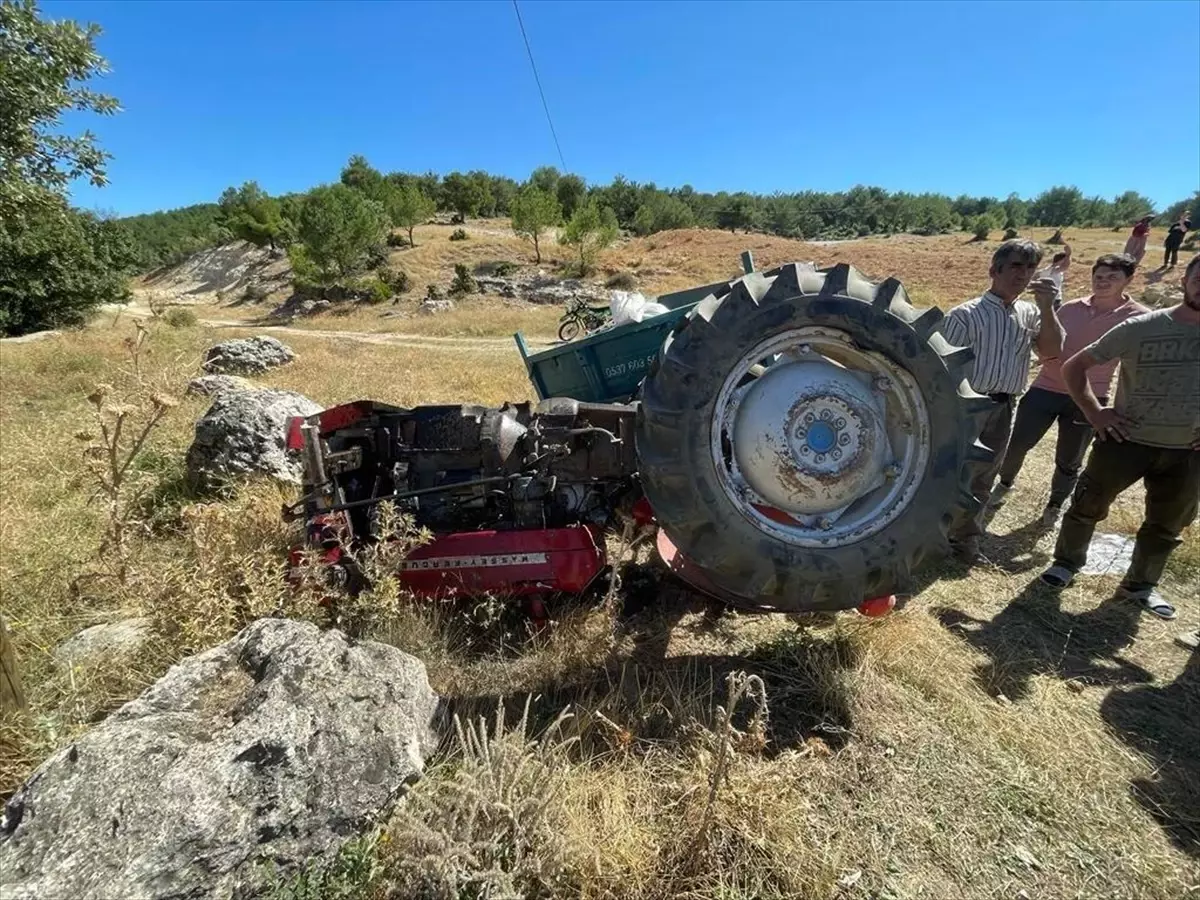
x=967, y=97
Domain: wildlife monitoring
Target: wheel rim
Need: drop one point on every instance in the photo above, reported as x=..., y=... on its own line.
x=817, y=441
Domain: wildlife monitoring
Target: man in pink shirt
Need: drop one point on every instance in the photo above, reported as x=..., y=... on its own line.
x=1047, y=400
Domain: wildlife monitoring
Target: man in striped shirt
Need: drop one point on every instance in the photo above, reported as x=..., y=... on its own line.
x=1004, y=332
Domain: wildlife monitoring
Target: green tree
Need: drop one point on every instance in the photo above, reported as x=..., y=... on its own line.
x=57, y=265
x=44, y=67
x=339, y=226
x=408, y=207
x=1130, y=206
x=739, y=212
x=362, y=176
x=571, y=191
x=1016, y=212
x=1189, y=207
x=589, y=231
x=534, y=211
x=254, y=216
x=662, y=212
x=1059, y=206
x=545, y=179
x=463, y=194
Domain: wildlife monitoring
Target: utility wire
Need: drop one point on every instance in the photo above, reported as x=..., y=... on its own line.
x=545, y=106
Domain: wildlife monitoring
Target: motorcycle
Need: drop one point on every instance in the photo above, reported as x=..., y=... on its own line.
x=580, y=317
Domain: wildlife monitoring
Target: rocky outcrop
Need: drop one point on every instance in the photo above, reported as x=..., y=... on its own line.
x=247, y=356
x=212, y=385
x=433, y=307
x=272, y=748
x=244, y=433
x=542, y=289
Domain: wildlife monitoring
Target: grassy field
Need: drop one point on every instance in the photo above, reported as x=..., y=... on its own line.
x=992, y=739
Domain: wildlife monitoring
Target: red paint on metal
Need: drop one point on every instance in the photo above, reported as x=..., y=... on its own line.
x=643, y=513
x=295, y=437
x=340, y=416
x=514, y=563
x=877, y=606
x=775, y=515
x=686, y=570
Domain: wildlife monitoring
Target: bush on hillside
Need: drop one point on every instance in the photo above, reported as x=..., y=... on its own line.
x=1010, y=233
x=180, y=317
x=463, y=282
x=396, y=240
x=458, y=234
x=981, y=227
x=376, y=257
x=396, y=279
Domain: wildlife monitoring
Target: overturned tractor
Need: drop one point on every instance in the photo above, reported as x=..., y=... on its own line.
x=802, y=440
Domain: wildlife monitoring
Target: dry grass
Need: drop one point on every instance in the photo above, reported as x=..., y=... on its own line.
x=991, y=738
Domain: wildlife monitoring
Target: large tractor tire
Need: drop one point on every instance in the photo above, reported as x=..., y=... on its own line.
x=806, y=439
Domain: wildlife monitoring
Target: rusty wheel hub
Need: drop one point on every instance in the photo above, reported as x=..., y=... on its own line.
x=817, y=440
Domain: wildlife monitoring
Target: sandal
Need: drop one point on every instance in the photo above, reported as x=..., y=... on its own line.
x=1151, y=599
x=1189, y=639
x=1058, y=576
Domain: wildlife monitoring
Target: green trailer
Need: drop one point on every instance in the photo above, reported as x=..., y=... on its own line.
x=608, y=366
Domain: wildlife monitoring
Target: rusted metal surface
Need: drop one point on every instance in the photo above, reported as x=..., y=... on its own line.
x=819, y=429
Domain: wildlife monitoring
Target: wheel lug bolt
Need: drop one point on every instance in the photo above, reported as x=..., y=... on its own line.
x=883, y=384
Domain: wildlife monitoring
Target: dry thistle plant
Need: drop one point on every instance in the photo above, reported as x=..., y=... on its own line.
x=108, y=458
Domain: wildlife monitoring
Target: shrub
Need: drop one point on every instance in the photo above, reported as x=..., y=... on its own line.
x=376, y=257
x=396, y=240
x=397, y=279
x=463, y=282
x=499, y=267
x=373, y=290
x=180, y=317
x=458, y=234
x=433, y=292
x=621, y=281
x=981, y=227
x=1010, y=233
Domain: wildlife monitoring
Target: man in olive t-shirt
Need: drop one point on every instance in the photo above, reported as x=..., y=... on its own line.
x=1150, y=434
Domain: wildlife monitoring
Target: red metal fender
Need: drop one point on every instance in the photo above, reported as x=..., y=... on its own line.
x=518, y=562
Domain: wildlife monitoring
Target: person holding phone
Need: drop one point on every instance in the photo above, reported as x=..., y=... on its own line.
x=1004, y=331
x=1150, y=434
x=1047, y=402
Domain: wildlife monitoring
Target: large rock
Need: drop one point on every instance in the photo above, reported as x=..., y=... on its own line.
x=245, y=433
x=246, y=356
x=275, y=746
x=212, y=385
x=104, y=642
x=433, y=307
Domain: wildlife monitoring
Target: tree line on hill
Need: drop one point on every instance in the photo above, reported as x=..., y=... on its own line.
x=642, y=209
x=57, y=262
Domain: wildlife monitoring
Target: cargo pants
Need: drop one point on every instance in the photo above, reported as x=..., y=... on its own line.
x=994, y=435
x=1172, y=479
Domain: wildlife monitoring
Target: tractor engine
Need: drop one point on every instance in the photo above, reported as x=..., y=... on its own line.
x=516, y=497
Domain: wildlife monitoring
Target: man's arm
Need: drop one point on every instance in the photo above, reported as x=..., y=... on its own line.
x=1107, y=422
x=1049, y=341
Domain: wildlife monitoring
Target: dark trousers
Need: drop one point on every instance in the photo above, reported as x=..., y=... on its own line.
x=1171, y=256
x=994, y=435
x=1039, y=410
x=1172, y=479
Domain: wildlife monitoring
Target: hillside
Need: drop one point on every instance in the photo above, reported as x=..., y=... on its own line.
x=990, y=740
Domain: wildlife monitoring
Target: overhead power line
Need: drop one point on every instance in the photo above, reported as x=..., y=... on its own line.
x=545, y=105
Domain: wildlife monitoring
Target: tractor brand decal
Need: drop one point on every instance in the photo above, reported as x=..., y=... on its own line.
x=475, y=562
x=637, y=364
